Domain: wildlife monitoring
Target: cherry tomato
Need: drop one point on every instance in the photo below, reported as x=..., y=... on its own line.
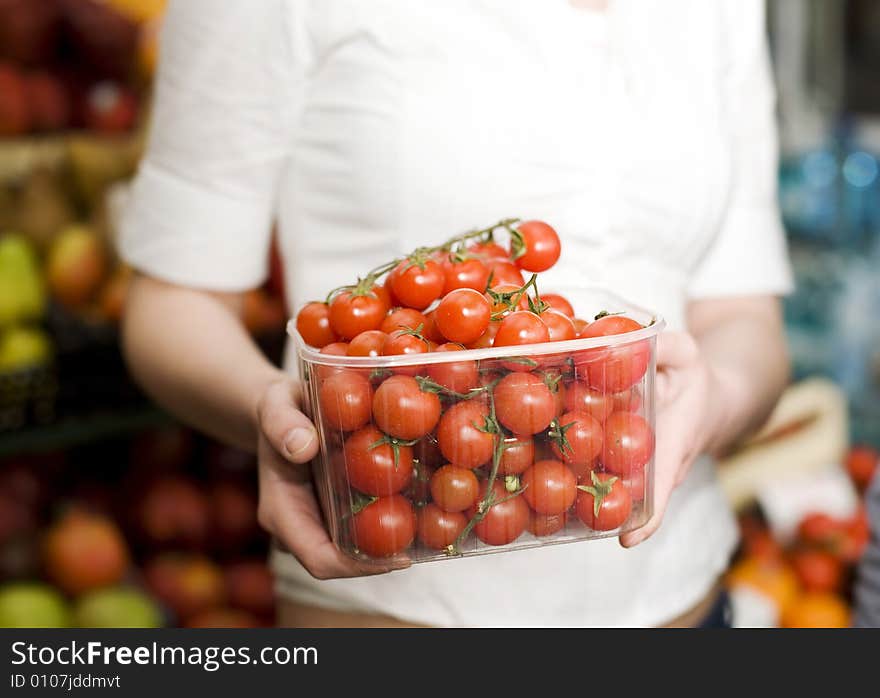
x=369, y=343
x=549, y=487
x=417, y=285
x=578, y=440
x=385, y=527
x=430, y=331
x=503, y=272
x=487, y=250
x=820, y=529
x=403, y=410
x=861, y=464
x=402, y=319
x=518, y=454
x=504, y=521
x=499, y=306
x=333, y=349
x=458, y=376
x=384, y=295
x=405, y=342
x=636, y=484
x=460, y=437
x=454, y=488
x=579, y=325
x=559, y=326
x=604, y=504
x=628, y=444
x=818, y=570
x=629, y=400
x=313, y=324
x=351, y=313
x=372, y=465
x=487, y=339
x=581, y=397
x=517, y=329
x=463, y=315
x=541, y=525
x=439, y=529
x=346, y=399
x=469, y=273
x=524, y=404
x=560, y=303
x=615, y=368
x=535, y=247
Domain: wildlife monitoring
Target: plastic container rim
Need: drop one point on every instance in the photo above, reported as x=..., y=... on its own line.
x=314, y=356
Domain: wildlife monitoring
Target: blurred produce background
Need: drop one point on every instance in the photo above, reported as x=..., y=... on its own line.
x=113, y=515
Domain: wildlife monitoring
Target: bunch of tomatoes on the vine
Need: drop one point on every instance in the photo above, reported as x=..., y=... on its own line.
x=532, y=440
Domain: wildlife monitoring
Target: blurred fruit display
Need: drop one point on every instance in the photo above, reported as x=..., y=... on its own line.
x=807, y=580
x=170, y=539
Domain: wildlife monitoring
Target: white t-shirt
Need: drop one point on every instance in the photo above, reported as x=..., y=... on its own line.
x=644, y=135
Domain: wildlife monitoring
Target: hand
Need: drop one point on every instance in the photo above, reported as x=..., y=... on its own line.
x=288, y=508
x=688, y=415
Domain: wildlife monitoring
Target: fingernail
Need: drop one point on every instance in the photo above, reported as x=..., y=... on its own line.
x=298, y=440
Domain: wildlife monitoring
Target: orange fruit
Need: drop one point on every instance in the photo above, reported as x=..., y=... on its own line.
x=817, y=610
x=770, y=577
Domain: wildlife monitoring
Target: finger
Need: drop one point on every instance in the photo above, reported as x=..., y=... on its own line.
x=295, y=520
x=288, y=430
x=676, y=349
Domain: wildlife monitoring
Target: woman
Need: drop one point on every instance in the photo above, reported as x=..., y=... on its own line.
x=642, y=131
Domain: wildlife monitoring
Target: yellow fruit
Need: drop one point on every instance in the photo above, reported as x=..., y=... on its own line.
x=139, y=10
x=76, y=265
x=772, y=578
x=817, y=610
x=24, y=347
x=22, y=296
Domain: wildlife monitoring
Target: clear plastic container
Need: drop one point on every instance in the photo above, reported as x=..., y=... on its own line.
x=388, y=425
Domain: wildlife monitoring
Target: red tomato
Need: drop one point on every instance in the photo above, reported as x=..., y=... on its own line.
x=549, y=487
x=345, y=399
x=560, y=303
x=541, y=525
x=403, y=410
x=503, y=272
x=559, y=326
x=818, y=570
x=537, y=248
x=460, y=437
x=385, y=527
x=333, y=349
x=463, y=315
x=405, y=342
x=579, y=325
x=384, y=295
x=500, y=306
x=523, y=403
x=615, y=368
x=604, y=504
x=578, y=440
x=458, y=376
x=581, y=397
x=504, y=521
x=517, y=329
x=454, y=488
x=861, y=463
x=430, y=331
x=402, y=319
x=372, y=466
x=820, y=529
x=439, y=529
x=629, y=442
x=487, y=339
x=469, y=273
x=313, y=324
x=487, y=250
x=636, y=484
x=417, y=285
x=518, y=454
x=629, y=400
x=351, y=314
x=368, y=343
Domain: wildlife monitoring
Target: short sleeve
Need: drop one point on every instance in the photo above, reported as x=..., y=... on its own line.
x=749, y=254
x=202, y=203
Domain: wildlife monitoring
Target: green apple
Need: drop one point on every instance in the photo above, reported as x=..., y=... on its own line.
x=117, y=607
x=32, y=605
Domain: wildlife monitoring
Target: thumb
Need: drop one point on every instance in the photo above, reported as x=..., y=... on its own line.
x=287, y=429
